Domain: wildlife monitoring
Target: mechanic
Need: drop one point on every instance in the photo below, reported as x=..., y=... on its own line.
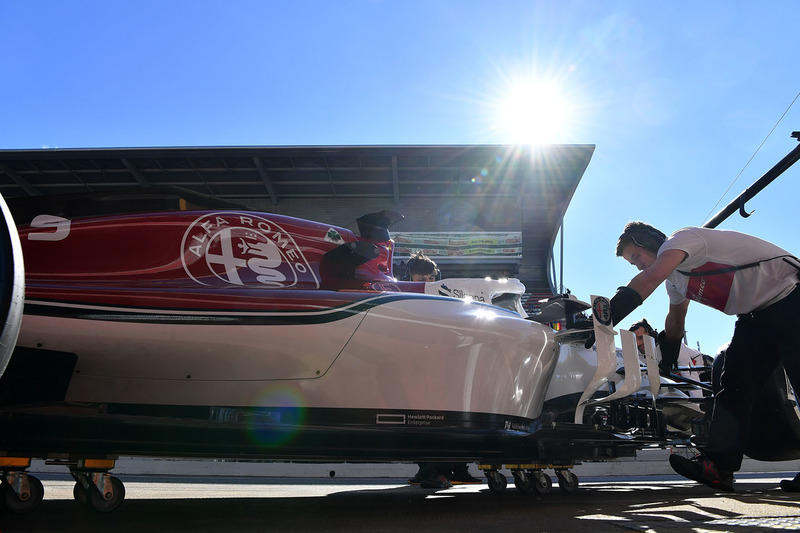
x=420, y=267
x=737, y=274
x=687, y=357
x=640, y=329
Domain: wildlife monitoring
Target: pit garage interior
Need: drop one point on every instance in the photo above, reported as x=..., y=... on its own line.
x=477, y=210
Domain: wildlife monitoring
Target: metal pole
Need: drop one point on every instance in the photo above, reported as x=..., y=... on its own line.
x=561, y=255
x=738, y=204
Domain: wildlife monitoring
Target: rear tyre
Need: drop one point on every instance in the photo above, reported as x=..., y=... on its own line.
x=12, y=285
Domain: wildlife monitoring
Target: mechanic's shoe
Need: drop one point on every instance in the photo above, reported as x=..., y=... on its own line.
x=791, y=485
x=464, y=478
x=418, y=478
x=702, y=470
x=435, y=481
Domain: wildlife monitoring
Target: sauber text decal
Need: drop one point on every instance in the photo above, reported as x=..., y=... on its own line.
x=243, y=249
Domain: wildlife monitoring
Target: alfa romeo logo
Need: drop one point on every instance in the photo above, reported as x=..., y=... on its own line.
x=242, y=249
x=601, y=309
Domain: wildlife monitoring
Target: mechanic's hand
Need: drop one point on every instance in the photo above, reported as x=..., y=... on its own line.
x=669, y=353
x=590, y=341
x=623, y=302
x=588, y=324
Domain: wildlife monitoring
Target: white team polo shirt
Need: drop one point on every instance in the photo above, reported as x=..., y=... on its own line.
x=733, y=292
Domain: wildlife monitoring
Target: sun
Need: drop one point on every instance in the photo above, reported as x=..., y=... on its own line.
x=535, y=112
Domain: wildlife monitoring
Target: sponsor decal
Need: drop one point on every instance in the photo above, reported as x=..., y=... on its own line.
x=243, y=249
x=444, y=290
x=390, y=419
x=515, y=426
x=56, y=228
x=460, y=243
x=409, y=419
x=601, y=310
x=458, y=293
x=384, y=286
x=713, y=290
x=333, y=236
x=424, y=419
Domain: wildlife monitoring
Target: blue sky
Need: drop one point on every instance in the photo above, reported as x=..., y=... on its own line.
x=676, y=96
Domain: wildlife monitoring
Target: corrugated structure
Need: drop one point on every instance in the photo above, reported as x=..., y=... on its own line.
x=464, y=188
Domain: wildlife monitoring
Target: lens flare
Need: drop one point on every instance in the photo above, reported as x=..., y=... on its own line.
x=280, y=413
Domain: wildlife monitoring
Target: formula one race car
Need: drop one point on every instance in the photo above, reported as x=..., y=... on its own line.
x=210, y=331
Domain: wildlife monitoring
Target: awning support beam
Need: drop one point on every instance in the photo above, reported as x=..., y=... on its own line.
x=262, y=172
x=136, y=173
x=19, y=180
x=395, y=181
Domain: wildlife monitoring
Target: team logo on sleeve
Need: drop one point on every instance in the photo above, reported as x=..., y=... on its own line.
x=242, y=249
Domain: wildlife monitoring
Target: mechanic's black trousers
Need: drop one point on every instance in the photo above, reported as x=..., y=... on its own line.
x=761, y=340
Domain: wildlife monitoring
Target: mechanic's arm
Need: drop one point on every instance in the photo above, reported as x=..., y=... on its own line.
x=651, y=277
x=675, y=322
x=670, y=340
x=633, y=295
